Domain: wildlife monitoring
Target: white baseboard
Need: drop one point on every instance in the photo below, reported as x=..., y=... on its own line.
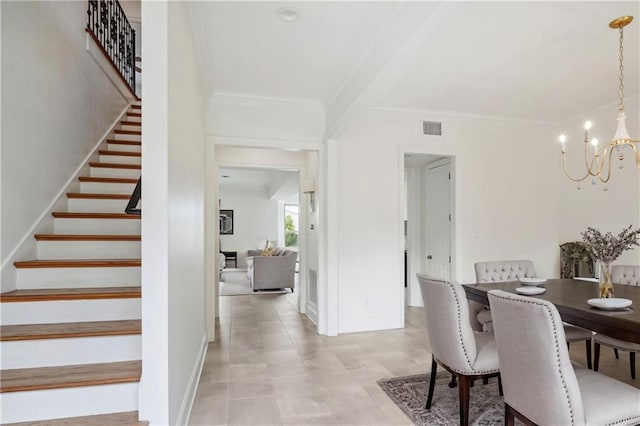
x=192, y=386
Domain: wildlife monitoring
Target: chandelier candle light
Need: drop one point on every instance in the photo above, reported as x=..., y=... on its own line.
x=600, y=163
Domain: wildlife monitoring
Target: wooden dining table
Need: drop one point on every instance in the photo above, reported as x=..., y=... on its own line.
x=570, y=297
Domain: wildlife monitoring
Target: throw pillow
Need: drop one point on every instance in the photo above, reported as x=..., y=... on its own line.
x=269, y=251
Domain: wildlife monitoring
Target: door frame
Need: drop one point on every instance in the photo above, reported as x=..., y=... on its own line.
x=326, y=196
x=402, y=150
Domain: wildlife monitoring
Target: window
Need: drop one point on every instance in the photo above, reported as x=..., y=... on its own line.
x=291, y=225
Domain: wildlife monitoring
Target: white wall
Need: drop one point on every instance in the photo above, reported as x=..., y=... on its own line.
x=56, y=104
x=607, y=211
x=173, y=165
x=506, y=204
x=249, y=117
x=254, y=217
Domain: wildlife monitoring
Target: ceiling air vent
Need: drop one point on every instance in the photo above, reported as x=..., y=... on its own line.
x=432, y=128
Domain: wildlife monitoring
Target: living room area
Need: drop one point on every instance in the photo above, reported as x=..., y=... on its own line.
x=258, y=230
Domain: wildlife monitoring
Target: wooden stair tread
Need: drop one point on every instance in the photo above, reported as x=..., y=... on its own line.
x=130, y=123
x=112, y=419
x=114, y=165
x=51, y=294
x=77, y=263
x=136, y=106
x=107, y=179
x=98, y=196
x=12, y=333
x=128, y=132
x=134, y=114
x=83, y=215
x=27, y=379
x=87, y=237
x=119, y=142
x=120, y=153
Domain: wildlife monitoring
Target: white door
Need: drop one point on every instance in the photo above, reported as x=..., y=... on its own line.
x=437, y=220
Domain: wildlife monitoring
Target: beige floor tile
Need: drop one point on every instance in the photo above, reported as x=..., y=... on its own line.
x=249, y=371
x=291, y=407
x=254, y=411
x=209, y=412
x=250, y=389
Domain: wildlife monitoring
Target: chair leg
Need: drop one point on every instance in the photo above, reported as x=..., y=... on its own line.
x=453, y=383
x=485, y=380
x=509, y=418
x=500, y=386
x=632, y=364
x=588, y=346
x=432, y=382
x=463, y=391
x=596, y=356
x=615, y=352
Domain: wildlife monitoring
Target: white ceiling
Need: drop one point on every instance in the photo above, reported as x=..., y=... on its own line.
x=546, y=61
x=274, y=184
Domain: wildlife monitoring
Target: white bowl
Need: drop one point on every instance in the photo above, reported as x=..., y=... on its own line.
x=613, y=304
x=532, y=281
x=530, y=291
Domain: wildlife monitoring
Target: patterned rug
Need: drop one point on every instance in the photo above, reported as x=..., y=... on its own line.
x=486, y=406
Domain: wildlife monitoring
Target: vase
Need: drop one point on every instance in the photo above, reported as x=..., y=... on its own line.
x=605, y=286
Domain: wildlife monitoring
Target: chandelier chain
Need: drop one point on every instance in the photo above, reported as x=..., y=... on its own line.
x=621, y=85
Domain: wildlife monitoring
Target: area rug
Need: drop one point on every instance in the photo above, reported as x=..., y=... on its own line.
x=235, y=283
x=486, y=406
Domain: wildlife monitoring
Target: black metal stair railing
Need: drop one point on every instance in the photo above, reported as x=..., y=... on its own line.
x=111, y=29
x=134, y=200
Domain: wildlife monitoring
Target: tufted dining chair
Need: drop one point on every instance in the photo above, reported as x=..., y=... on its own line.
x=541, y=386
x=512, y=270
x=620, y=274
x=463, y=352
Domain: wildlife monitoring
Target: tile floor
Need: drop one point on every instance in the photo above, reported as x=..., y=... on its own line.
x=269, y=367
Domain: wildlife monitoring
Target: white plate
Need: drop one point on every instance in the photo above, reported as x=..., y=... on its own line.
x=532, y=281
x=612, y=304
x=530, y=291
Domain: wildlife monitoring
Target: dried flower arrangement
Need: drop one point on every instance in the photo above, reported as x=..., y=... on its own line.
x=607, y=248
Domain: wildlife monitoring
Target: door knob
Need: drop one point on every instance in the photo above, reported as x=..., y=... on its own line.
x=429, y=257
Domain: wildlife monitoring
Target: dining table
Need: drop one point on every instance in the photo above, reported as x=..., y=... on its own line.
x=570, y=298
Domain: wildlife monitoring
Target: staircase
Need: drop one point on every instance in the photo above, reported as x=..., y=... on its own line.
x=70, y=335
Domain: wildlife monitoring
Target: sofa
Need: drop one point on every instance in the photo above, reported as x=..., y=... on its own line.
x=272, y=272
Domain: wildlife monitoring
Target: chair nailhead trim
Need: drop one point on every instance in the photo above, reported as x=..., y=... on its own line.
x=555, y=335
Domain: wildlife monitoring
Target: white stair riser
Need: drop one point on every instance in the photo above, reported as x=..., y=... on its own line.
x=69, y=351
x=88, y=250
x=127, y=148
x=107, y=188
x=68, y=402
x=70, y=311
x=134, y=118
x=120, y=159
x=97, y=226
x=112, y=172
x=84, y=205
x=134, y=127
x=126, y=137
x=34, y=278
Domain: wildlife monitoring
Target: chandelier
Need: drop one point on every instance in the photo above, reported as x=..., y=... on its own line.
x=597, y=159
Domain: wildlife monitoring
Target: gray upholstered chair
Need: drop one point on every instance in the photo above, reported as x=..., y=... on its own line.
x=620, y=274
x=512, y=270
x=540, y=383
x=465, y=353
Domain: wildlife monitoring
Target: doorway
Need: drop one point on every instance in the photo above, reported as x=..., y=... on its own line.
x=304, y=163
x=428, y=220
